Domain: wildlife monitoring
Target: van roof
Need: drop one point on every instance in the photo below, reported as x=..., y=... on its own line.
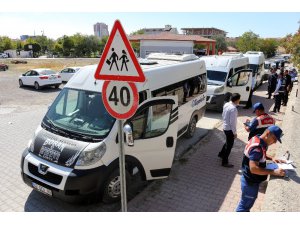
x=177, y=70
x=223, y=61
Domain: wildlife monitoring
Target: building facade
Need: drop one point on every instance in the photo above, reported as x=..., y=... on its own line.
x=204, y=32
x=166, y=42
x=101, y=30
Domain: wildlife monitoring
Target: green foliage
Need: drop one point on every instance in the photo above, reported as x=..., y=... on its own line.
x=140, y=31
x=5, y=43
x=199, y=46
x=268, y=46
x=292, y=45
x=249, y=41
x=221, y=44
x=34, y=47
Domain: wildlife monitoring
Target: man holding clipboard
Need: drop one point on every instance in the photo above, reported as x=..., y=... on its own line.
x=254, y=166
x=260, y=123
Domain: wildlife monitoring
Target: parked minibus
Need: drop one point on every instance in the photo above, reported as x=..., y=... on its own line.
x=74, y=151
x=227, y=74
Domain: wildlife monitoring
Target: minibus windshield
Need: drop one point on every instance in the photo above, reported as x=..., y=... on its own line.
x=79, y=114
x=216, y=75
x=253, y=67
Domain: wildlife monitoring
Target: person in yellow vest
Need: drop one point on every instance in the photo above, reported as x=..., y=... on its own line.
x=260, y=123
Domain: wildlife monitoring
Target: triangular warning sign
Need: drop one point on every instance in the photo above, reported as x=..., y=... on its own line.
x=118, y=61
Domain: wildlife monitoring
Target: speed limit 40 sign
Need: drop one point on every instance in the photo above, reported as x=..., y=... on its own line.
x=120, y=99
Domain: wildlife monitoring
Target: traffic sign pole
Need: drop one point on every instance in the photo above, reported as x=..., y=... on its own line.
x=119, y=63
x=122, y=167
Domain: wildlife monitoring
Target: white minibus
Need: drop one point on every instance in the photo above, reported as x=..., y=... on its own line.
x=227, y=74
x=256, y=63
x=74, y=151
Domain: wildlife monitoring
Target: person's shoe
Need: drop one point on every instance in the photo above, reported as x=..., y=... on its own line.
x=220, y=155
x=268, y=98
x=227, y=165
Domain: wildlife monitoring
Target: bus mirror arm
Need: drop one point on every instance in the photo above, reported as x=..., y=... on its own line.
x=128, y=135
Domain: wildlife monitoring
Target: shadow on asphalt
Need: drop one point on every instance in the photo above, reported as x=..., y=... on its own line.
x=43, y=90
x=38, y=202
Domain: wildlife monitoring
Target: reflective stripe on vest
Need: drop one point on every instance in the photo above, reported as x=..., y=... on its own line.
x=252, y=143
x=265, y=121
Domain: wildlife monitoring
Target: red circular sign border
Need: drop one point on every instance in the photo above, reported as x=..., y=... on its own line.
x=132, y=110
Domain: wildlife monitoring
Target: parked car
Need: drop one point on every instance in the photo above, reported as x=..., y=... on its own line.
x=18, y=61
x=40, y=78
x=68, y=72
x=3, y=66
x=3, y=55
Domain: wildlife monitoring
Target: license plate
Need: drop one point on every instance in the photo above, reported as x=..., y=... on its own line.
x=52, y=78
x=41, y=189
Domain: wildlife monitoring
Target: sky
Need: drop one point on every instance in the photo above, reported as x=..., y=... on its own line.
x=57, y=24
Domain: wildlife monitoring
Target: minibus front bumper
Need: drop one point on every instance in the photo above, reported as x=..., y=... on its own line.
x=71, y=185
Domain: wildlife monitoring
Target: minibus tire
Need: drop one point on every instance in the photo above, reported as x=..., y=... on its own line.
x=191, y=128
x=112, y=187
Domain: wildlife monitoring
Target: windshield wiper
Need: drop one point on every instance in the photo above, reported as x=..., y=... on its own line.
x=55, y=128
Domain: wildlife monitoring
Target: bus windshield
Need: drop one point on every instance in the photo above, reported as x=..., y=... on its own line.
x=253, y=67
x=216, y=75
x=79, y=114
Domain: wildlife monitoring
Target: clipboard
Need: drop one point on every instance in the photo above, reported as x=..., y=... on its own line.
x=247, y=124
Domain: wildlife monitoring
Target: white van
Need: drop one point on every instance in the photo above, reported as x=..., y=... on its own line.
x=227, y=74
x=74, y=152
x=256, y=63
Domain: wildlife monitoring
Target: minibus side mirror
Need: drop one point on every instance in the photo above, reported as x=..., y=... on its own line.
x=229, y=83
x=23, y=74
x=128, y=135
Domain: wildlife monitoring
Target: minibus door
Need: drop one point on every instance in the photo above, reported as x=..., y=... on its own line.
x=241, y=83
x=154, y=134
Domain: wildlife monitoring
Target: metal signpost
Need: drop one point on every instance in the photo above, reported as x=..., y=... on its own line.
x=119, y=67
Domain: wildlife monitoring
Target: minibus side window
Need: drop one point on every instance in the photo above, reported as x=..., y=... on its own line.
x=158, y=121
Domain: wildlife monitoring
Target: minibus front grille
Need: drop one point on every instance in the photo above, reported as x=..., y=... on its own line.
x=49, y=176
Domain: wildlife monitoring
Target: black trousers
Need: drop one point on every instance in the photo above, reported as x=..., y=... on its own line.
x=277, y=102
x=225, y=152
x=285, y=97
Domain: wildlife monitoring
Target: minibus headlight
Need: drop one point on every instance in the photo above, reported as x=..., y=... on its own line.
x=219, y=90
x=91, y=156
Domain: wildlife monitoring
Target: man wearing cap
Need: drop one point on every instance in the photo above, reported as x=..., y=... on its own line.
x=253, y=166
x=260, y=123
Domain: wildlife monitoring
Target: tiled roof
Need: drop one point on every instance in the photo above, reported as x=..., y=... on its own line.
x=169, y=36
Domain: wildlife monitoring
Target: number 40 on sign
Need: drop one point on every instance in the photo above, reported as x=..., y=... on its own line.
x=120, y=98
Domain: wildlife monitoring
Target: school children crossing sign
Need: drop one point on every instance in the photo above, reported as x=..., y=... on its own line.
x=118, y=61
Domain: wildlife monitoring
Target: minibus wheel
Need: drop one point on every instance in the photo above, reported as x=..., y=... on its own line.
x=112, y=187
x=191, y=128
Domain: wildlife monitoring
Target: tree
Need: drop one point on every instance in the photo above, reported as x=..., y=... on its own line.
x=249, y=41
x=5, y=43
x=140, y=31
x=67, y=45
x=221, y=44
x=34, y=47
x=293, y=47
x=268, y=46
